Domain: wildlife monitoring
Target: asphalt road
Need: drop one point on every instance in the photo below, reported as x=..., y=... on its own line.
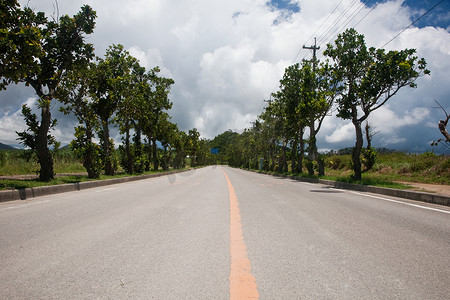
x=169, y=238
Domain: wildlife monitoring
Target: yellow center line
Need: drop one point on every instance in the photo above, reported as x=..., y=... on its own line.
x=242, y=283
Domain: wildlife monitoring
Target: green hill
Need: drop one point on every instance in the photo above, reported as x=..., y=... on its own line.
x=6, y=147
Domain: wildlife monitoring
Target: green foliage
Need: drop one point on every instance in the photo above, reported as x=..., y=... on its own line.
x=41, y=52
x=29, y=137
x=85, y=149
x=20, y=37
x=18, y=162
x=222, y=143
x=368, y=78
x=368, y=157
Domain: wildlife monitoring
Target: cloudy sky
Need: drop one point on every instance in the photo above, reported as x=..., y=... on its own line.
x=227, y=57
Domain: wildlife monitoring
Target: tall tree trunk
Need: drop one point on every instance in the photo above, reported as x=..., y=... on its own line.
x=108, y=167
x=357, y=150
x=89, y=159
x=165, y=160
x=128, y=154
x=368, y=135
x=311, y=149
x=274, y=154
x=138, y=148
x=294, y=156
x=284, y=159
x=155, y=155
x=44, y=155
x=302, y=151
x=149, y=154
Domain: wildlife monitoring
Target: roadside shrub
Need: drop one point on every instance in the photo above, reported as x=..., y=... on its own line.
x=338, y=162
x=368, y=157
x=423, y=162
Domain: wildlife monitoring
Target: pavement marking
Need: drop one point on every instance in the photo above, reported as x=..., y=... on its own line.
x=27, y=204
x=242, y=282
x=401, y=202
x=106, y=189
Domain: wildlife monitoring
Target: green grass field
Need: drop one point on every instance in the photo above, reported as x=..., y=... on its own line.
x=395, y=167
x=389, y=170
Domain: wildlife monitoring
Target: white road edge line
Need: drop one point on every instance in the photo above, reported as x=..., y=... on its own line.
x=396, y=201
x=105, y=189
x=27, y=204
x=308, y=183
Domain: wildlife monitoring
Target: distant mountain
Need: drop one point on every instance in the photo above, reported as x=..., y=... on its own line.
x=6, y=147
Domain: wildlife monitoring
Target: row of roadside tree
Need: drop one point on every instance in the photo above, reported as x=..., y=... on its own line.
x=351, y=83
x=52, y=57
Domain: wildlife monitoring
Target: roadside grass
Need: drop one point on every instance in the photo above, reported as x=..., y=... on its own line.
x=17, y=163
x=390, y=170
x=35, y=182
x=393, y=168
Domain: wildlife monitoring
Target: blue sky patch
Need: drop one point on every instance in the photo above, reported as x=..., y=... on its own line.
x=284, y=5
x=438, y=17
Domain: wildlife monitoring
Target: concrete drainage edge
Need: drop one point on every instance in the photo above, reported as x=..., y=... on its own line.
x=23, y=194
x=412, y=195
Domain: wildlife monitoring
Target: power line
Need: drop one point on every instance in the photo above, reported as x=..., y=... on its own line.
x=413, y=23
x=337, y=21
x=329, y=15
x=349, y=18
x=335, y=24
x=367, y=14
x=298, y=53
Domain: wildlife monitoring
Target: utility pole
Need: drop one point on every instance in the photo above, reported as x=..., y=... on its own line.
x=312, y=151
x=314, y=48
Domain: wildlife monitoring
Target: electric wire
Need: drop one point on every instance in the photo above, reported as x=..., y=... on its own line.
x=337, y=25
x=301, y=48
x=329, y=15
x=346, y=22
x=338, y=20
x=366, y=14
x=414, y=22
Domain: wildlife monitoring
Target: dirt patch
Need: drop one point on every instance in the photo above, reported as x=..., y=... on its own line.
x=440, y=189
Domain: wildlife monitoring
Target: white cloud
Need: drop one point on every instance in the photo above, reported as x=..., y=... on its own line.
x=392, y=140
x=386, y=121
x=227, y=57
x=12, y=122
x=342, y=134
x=149, y=59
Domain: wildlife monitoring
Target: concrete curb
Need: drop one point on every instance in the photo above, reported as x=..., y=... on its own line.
x=23, y=194
x=418, y=196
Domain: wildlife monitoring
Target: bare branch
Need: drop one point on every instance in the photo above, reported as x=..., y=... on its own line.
x=443, y=124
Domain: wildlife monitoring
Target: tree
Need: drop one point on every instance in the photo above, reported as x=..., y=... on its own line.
x=157, y=101
x=309, y=93
x=180, y=143
x=129, y=109
x=108, y=88
x=369, y=77
x=74, y=94
x=369, y=153
x=166, y=134
x=270, y=135
x=221, y=143
x=30, y=135
x=442, y=125
x=39, y=53
x=20, y=41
